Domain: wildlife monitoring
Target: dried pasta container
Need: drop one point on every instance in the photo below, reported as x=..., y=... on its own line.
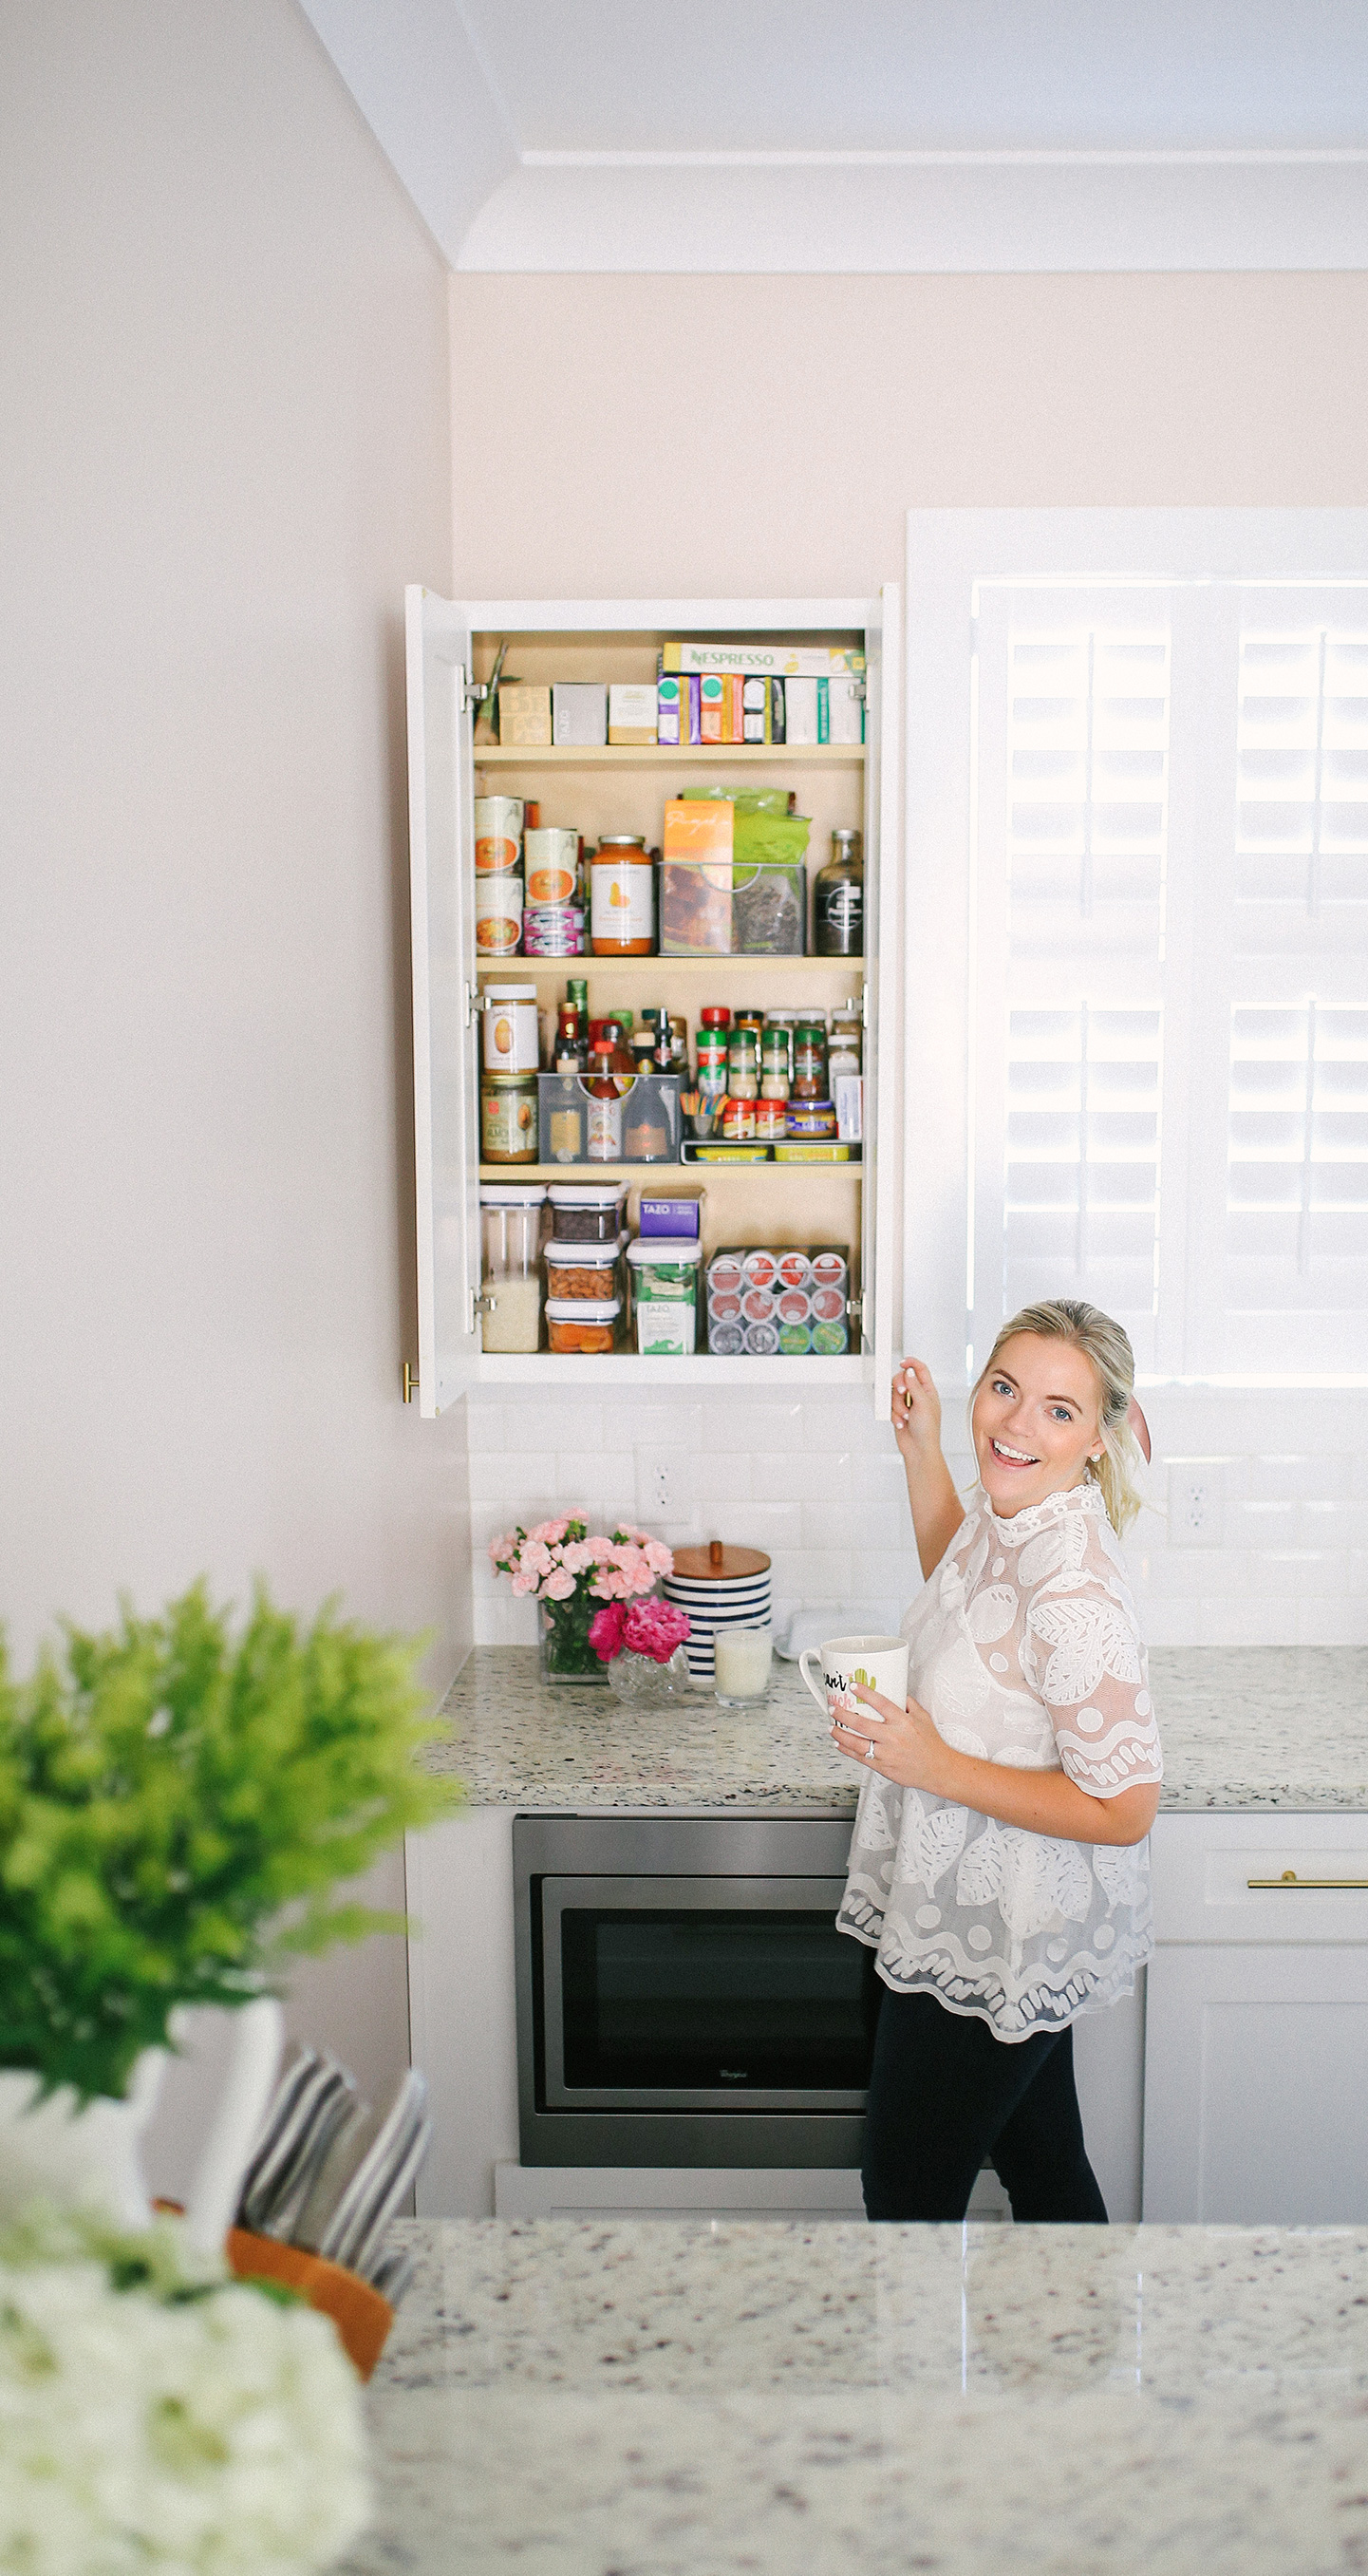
x=587, y=1212
x=510, y=1228
x=582, y=1324
x=582, y=1270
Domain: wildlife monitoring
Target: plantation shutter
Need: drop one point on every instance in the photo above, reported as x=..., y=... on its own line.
x=1073, y=786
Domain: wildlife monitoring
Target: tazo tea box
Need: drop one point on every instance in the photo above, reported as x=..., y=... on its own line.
x=633, y=712
x=579, y=713
x=525, y=713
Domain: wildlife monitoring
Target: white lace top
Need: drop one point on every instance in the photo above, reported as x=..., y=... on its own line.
x=1025, y=1650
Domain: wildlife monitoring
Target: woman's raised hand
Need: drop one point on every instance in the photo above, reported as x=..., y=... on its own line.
x=916, y=1413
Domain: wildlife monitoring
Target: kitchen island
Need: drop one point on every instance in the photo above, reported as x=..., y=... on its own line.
x=1243, y=1727
x=594, y=2399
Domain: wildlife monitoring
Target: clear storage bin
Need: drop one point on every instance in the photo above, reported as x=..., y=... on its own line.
x=649, y=1109
x=587, y=1211
x=583, y=1269
x=510, y=1239
x=732, y=908
x=664, y=1276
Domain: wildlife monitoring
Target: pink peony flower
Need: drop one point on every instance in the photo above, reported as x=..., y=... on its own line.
x=559, y=1586
x=600, y=1549
x=578, y=1556
x=658, y=1555
x=654, y=1628
x=550, y=1533
x=524, y=1583
x=605, y=1631
x=536, y=1559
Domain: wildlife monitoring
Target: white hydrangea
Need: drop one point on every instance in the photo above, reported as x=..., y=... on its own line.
x=214, y=2434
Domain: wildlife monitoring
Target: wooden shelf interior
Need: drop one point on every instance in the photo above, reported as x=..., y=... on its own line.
x=742, y=1202
x=619, y=789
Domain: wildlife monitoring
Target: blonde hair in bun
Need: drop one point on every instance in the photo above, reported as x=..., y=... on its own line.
x=1107, y=1345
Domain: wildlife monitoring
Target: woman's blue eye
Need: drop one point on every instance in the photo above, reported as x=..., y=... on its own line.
x=1000, y=1386
x=1062, y=1413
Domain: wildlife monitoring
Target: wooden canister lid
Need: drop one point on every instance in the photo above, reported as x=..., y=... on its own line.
x=718, y=1564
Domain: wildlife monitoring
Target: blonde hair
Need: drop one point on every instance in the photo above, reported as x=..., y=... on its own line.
x=1107, y=1345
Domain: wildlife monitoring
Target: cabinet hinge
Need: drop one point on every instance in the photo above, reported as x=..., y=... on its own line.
x=855, y=1307
x=477, y=1304
x=470, y=998
x=864, y=1008
x=473, y=692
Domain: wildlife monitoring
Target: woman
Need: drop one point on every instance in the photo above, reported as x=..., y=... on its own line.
x=999, y=1864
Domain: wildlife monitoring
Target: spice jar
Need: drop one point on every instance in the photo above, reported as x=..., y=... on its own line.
x=810, y=1118
x=743, y=1064
x=738, y=1121
x=810, y=1078
x=622, y=897
x=508, y=1118
x=769, y=1121
x=714, y=1017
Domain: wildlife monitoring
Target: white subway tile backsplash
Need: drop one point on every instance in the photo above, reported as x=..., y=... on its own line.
x=818, y=1483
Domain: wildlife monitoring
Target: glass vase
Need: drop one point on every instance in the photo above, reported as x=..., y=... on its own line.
x=644, y=1683
x=564, y=1649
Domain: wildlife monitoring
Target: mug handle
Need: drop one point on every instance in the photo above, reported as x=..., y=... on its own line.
x=808, y=1656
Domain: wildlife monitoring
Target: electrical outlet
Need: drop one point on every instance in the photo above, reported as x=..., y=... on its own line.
x=664, y=1484
x=1196, y=1513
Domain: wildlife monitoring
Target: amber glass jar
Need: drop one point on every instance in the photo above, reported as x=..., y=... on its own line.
x=622, y=897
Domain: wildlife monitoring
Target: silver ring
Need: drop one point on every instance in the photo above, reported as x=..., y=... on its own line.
x=869, y=1748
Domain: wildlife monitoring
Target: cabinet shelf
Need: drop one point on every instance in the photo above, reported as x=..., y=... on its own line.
x=699, y=1368
x=577, y=1173
x=643, y=968
x=693, y=755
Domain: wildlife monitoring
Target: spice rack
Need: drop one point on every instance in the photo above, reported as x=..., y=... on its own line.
x=616, y=788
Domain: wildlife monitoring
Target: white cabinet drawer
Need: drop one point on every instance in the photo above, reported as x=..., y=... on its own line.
x=1203, y=1867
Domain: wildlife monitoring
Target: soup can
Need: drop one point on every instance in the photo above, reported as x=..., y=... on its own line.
x=551, y=862
x=499, y=914
x=498, y=834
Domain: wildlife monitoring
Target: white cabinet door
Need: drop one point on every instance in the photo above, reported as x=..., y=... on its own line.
x=882, y=1196
x=1256, y=2084
x=445, y=1081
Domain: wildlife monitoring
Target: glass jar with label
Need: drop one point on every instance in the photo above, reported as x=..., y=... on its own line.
x=743, y=1064
x=603, y=1124
x=510, y=1029
x=508, y=1118
x=622, y=897
x=838, y=899
x=810, y=1080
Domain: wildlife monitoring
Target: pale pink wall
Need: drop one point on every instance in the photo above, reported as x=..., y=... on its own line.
x=767, y=434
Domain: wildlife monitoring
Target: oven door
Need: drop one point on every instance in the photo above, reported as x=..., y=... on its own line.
x=702, y=1994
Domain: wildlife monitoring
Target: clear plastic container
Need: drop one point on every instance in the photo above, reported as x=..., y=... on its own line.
x=585, y=1212
x=664, y=1275
x=510, y=1234
x=580, y=1270
x=582, y=1324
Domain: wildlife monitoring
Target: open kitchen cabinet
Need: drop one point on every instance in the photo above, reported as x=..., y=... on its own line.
x=452, y=649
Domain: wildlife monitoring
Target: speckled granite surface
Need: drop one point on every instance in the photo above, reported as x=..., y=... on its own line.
x=1243, y=1727
x=648, y=2399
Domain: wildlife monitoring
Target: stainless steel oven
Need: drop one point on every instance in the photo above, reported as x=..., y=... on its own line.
x=684, y=1997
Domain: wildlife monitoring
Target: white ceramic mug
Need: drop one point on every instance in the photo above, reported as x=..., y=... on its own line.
x=880, y=1663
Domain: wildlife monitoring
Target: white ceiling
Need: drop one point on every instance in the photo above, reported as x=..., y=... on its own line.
x=760, y=135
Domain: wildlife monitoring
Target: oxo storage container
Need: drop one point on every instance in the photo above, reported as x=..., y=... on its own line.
x=587, y=1211
x=579, y=1270
x=664, y=1276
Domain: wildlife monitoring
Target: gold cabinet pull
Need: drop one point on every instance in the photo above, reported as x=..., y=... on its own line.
x=1290, y=1879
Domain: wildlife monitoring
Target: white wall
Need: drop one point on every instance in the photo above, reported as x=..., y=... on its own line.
x=833, y=404
x=224, y=447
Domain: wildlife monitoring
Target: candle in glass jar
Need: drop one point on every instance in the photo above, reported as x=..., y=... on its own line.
x=741, y=1663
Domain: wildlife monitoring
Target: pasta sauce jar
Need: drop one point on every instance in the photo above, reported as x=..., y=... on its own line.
x=622, y=897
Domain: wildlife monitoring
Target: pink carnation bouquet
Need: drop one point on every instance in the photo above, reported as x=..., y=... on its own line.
x=572, y=1574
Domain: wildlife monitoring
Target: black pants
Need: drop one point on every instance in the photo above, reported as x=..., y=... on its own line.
x=945, y=2093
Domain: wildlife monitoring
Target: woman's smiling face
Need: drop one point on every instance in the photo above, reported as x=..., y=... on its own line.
x=1035, y=1422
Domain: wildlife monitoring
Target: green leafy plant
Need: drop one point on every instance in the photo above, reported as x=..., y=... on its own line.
x=177, y=1805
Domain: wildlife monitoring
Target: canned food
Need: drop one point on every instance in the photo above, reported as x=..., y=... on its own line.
x=508, y=1118
x=551, y=864
x=553, y=930
x=498, y=914
x=498, y=834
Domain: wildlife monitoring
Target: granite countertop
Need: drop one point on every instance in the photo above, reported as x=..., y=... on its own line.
x=1242, y=1727
x=602, y=2398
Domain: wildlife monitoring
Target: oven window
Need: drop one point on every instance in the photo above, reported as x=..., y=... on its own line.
x=702, y=1997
